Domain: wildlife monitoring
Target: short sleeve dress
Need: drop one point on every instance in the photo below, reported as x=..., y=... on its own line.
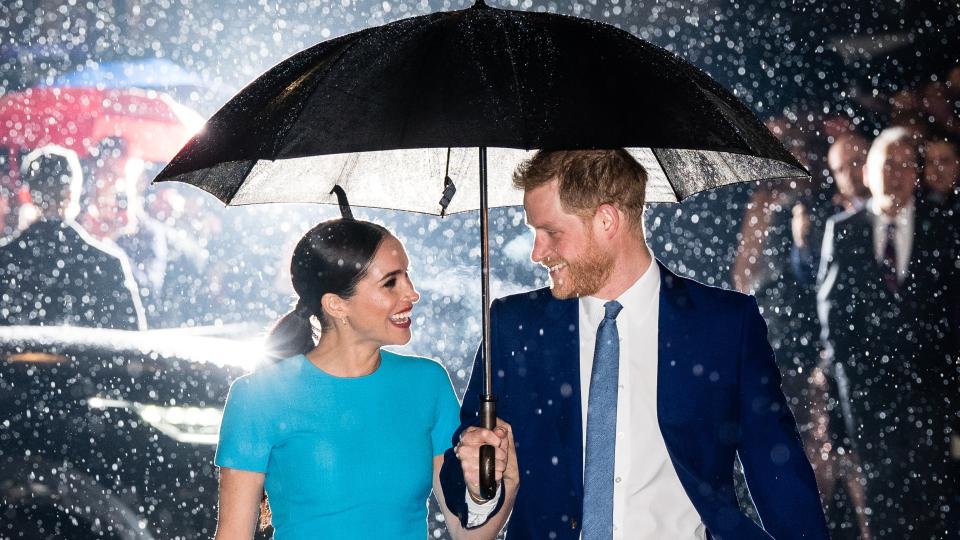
x=343, y=457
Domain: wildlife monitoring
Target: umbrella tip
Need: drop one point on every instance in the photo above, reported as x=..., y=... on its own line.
x=479, y=4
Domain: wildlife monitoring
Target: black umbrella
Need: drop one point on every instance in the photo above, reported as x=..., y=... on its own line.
x=392, y=113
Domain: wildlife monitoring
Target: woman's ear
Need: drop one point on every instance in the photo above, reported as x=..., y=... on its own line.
x=334, y=307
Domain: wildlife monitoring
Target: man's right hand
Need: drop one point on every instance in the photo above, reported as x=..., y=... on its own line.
x=468, y=452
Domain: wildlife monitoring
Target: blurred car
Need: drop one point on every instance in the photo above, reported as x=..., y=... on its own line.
x=112, y=434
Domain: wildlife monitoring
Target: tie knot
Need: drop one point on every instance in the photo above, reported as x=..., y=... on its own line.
x=613, y=309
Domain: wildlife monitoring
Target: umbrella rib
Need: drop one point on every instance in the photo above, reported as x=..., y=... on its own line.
x=208, y=171
x=516, y=83
x=426, y=28
x=280, y=141
x=673, y=188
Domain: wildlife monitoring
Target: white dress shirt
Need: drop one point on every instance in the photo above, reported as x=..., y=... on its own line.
x=903, y=240
x=649, y=503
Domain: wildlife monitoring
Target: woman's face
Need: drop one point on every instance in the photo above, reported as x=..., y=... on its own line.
x=380, y=311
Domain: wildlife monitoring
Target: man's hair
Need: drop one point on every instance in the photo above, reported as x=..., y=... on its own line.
x=53, y=176
x=587, y=179
x=888, y=137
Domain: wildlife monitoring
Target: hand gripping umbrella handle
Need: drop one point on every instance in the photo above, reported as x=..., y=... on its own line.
x=488, y=420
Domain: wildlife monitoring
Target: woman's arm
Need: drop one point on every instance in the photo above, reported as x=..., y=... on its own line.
x=511, y=482
x=240, y=495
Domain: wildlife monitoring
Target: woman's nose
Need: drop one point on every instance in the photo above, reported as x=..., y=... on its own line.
x=411, y=294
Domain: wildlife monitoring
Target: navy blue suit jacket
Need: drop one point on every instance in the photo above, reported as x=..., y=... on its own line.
x=718, y=398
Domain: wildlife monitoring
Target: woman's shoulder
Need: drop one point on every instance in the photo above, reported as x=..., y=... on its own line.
x=414, y=366
x=267, y=375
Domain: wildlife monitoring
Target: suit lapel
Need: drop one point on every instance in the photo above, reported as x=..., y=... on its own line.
x=564, y=351
x=674, y=352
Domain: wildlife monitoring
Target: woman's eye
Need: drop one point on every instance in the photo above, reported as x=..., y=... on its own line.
x=390, y=283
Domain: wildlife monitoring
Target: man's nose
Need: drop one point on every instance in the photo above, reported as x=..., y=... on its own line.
x=539, y=250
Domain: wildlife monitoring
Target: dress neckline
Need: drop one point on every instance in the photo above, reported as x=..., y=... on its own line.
x=325, y=374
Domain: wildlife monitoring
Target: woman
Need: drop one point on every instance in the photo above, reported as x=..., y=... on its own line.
x=342, y=435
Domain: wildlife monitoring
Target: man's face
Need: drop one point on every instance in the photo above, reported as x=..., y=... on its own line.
x=941, y=167
x=565, y=244
x=846, y=159
x=898, y=176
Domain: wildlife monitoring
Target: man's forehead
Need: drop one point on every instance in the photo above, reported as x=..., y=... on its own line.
x=901, y=150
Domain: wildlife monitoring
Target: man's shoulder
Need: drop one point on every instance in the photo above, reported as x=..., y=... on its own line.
x=106, y=249
x=848, y=219
x=526, y=299
x=684, y=289
x=539, y=301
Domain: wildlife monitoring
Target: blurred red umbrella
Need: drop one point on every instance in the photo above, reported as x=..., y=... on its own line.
x=152, y=125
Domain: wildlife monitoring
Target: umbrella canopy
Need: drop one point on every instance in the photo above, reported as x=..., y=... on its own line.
x=375, y=112
x=155, y=73
x=152, y=125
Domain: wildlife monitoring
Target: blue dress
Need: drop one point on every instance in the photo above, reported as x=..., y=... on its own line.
x=348, y=458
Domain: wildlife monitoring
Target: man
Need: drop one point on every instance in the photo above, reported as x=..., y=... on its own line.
x=846, y=158
x=940, y=193
x=884, y=283
x=630, y=390
x=53, y=272
x=117, y=215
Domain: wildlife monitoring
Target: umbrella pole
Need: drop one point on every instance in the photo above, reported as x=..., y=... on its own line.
x=488, y=402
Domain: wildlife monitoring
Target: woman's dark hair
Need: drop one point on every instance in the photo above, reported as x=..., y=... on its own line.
x=331, y=258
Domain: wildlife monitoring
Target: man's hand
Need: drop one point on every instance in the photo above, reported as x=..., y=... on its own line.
x=468, y=452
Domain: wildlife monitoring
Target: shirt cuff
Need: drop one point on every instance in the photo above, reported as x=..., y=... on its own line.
x=478, y=513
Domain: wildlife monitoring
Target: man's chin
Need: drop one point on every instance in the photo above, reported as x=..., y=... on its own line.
x=561, y=294
x=563, y=291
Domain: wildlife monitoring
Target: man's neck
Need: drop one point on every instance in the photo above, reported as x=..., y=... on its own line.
x=889, y=207
x=629, y=263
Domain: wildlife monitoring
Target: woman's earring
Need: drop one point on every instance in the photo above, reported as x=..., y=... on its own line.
x=343, y=321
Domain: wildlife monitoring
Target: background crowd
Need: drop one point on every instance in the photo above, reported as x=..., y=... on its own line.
x=857, y=276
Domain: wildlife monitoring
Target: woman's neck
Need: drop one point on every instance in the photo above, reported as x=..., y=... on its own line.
x=343, y=357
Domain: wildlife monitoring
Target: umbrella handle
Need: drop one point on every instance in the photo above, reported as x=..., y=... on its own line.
x=488, y=420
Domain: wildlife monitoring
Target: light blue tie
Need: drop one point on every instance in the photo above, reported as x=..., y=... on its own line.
x=601, y=429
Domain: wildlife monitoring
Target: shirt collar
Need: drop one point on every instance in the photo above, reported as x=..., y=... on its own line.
x=904, y=216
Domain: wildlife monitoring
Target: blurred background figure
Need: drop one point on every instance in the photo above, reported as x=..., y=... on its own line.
x=162, y=240
x=115, y=213
x=883, y=285
x=845, y=161
x=846, y=158
x=941, y=172
x=53, y=272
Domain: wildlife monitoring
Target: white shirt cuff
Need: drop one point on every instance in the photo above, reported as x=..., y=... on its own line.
x=478, y=513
